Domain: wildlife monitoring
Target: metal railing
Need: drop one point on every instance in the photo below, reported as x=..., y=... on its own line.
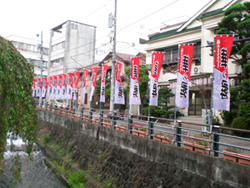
x=180, y=133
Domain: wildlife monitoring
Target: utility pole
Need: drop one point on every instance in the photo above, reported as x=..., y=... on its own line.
x=113, y=64
x=41, y=50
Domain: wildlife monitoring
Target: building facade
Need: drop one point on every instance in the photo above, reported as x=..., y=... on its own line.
x=31, y=51
x=199, y=30
x=72, y=46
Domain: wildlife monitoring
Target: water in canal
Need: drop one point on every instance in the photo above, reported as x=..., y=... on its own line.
x=34, y=175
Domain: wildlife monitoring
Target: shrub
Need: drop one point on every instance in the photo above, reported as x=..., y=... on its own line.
x=240, y=123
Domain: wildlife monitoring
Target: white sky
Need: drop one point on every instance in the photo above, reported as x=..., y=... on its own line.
x=26, y=18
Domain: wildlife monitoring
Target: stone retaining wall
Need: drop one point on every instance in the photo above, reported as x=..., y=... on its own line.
x=125, y=160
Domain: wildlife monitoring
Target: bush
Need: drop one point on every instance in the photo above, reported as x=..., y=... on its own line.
x=240, y=123
x=244, y=111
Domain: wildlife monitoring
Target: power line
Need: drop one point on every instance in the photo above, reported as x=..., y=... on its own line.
x=149, y=15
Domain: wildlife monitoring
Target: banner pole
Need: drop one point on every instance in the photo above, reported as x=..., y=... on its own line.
x=129, y=87
x=211, y=118
x=175, y=110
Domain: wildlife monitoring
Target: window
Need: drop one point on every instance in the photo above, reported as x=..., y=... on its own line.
x=74, y=26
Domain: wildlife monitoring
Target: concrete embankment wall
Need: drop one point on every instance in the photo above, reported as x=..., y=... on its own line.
x=125, y=160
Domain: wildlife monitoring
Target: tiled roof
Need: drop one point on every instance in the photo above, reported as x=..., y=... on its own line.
x=89, y=67
x=169, y=26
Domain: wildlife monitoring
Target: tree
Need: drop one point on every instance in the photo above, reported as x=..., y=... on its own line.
x=143, y=84
x=17, y=106
x=237, y=21
x=163, y=109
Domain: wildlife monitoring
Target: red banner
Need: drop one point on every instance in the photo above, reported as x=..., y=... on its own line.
x=84, y=77
x=134, y=95
x=104, y=72
x=93, y=80
x=103, y=79
x=45, y=82
x=69, y=79
x=39, y=85
x=64, y=80
x=94, y=76
x=222, y=50
x=185, y=59
x=119, y=95
x=157, y=58
x=50, y=81
x=76, y=78
x=184, y=75
x=59, y=81
x=34, y=83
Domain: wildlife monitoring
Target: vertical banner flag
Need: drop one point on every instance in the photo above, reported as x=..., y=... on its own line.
x=49, y=92
x=76, y=79
x=184, y=75
x=63, y=90
x=119, y=95
x=34, y=87
x=104, y=72
x=59, y=86
x=44, y=88
x=221, y=94
x=69, y=85
x=93, y=81
x=157, y=58
x=84, y=77
x=134, y=95
x=38, y=87
x=54, y=86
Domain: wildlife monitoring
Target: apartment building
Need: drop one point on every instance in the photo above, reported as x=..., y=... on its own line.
x=31, y=50
x=72, y=46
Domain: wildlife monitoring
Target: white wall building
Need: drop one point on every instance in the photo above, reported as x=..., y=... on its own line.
x=30, y=49
x=72, y=46
x=198, y=30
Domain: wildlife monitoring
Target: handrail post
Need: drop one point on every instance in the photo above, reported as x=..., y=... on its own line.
x=130, y=123
x=81, y=113
x=74, y=111
x=114, y=120
x=67, y=108
x=216, y=141
x=90, y=115
x=178, y=134
x=101, y=118
x=151, y=129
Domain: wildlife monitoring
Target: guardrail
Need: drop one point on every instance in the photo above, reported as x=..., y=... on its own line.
x=180, y=133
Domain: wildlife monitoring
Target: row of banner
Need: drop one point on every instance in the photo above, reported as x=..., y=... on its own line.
x=64, y=87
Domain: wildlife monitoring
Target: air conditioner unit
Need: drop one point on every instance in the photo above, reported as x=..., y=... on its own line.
x=196, y=70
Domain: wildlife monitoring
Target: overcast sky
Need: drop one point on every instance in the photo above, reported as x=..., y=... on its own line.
x=26, y=18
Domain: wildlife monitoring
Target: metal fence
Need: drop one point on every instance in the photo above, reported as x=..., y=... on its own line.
x=189, y=135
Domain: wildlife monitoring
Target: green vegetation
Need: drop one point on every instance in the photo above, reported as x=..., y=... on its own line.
x=18, y=108
x=237, y=21
x=46, y=139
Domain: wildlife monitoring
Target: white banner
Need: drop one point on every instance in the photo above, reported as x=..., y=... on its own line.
x=119, y=95
x=134, y=95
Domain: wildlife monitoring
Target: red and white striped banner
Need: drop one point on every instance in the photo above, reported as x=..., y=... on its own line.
x=221, y=94
x=76, y=79
x=93, y=81
x=34, y=88
x=103, y=80
x=63, y=89
x=157, y=58
x=134, y=95
x=84, y=77
x=184, y=75
x=119, y=95
x=59, y=86
x=69, y=85
x=44, y=88
x=38, y=87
